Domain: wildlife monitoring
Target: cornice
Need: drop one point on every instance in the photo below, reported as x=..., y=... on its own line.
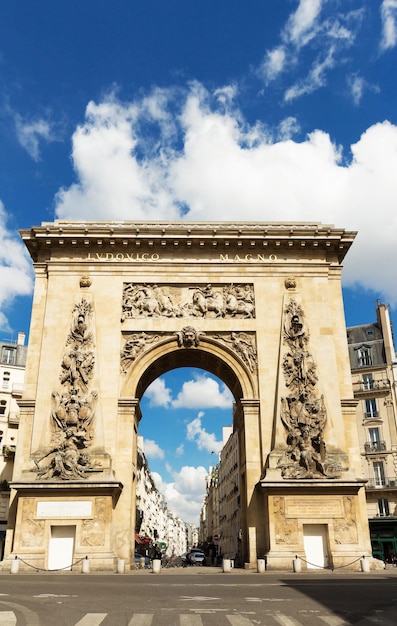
x=162, y=234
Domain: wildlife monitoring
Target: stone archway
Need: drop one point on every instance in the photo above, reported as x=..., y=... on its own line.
x=205, y=353
x=260, y=306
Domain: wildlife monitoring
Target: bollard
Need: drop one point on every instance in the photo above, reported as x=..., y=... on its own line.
x=142, y=562
x=260, y=566
x=227, y=565
x=364, y=565
x=15, y=566
x=86, y=566
x=297, y=564
x=156, y=566
x=120, y=566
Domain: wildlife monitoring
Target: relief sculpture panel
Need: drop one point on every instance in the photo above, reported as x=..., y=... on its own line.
x=73, y=405
x=303, y=411
x=206, y=301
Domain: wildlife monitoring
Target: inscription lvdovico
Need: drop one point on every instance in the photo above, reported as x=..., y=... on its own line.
x=306, y=507
x=146, y=256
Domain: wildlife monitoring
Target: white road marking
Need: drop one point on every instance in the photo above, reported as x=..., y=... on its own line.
x=141, y=619
x=199, y=598
x=190, y=620
x=284, y=620
x=7, y=618
x=267, y=599
x=333, y=620
x=239, y=620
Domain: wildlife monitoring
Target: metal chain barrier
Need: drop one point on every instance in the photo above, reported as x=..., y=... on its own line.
x=329, y=567
x=60, y=569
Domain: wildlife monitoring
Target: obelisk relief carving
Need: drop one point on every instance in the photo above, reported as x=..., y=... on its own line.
x=303, y=411
x=73, y=405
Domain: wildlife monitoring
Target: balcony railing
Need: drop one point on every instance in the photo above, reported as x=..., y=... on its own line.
x=374, y=387
x=382, y=483
x=375, y=446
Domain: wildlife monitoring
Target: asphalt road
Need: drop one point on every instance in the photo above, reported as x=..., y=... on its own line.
x=199, y=597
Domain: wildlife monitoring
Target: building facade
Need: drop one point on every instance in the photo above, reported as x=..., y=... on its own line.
x=12, y=373
x=373, y=366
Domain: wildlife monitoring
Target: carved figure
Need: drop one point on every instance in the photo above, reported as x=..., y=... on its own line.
x=134, y=345
x=143, y=300
x=303, y=413
x=244, y=345
x=188, y=337
x=207, y=300
x=73, y=409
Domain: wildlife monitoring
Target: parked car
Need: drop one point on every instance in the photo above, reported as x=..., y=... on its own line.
x=193, y=557
x=138, y=558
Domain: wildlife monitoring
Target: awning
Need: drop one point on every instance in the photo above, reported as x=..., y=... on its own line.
x=138, y=539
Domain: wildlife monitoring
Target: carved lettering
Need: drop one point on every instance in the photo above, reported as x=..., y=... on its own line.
x=122, y=256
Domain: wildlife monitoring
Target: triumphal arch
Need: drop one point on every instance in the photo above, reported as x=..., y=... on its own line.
x=117, y=304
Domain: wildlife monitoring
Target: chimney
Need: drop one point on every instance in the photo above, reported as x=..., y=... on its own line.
x=21, y=339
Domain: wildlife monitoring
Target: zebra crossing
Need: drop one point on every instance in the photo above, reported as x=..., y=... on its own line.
x=9, y=618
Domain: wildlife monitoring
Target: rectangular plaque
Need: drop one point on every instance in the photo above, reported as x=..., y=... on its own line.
x=66, y=508
x=313, y=508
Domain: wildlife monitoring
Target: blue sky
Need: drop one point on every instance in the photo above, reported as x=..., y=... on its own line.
x=200, y=110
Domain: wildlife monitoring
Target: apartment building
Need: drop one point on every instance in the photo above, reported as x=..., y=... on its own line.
x=12, y=374
x=154, y=520
x=373, y=367
x=229, y=540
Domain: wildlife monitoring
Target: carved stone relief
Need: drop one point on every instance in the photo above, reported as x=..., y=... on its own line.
x=346, y=530
x=188, y=337
x=33, y=529
x=93, y=530
x=286, y=531
x=243, y=344
x=73, y=406
x=207, y=301
x=135, y=343
x=303, y=411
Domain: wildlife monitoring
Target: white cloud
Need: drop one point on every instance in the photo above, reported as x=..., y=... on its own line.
x=388, y=12
x=16, y=275
x=31, y=132
x=315, y=79
x=184, y=494
x=180, y=450
x=222, y=168
x=300, y=27
x=323, y=35
x=153, y=450
x=158, y=394
x=203, y=392
x=204, y=440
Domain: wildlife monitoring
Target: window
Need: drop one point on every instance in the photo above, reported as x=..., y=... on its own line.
x=6, y=379
x=3, y=404
x=379, y=474
x=374, y=437
x=8, y=355
x=383, y=507
x=368, y=382
x=364, y=356
x=371, y=408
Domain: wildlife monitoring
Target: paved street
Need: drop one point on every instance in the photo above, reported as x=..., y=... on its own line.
x=199, y=597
